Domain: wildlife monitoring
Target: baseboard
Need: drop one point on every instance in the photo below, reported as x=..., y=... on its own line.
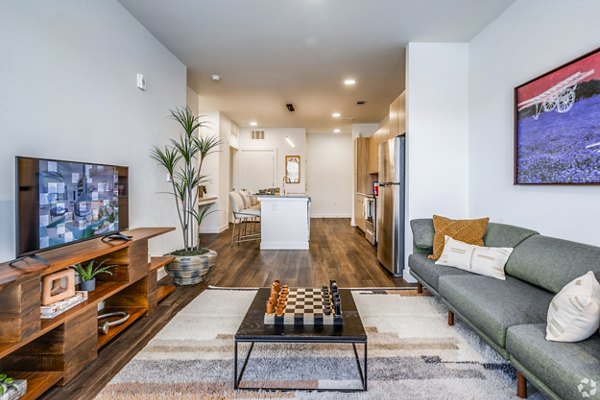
x=213, y=230
x=329, y=216
x=284, y=245
x=407, y=276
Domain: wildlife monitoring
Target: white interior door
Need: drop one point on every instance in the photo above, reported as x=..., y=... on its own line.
x=257, y=169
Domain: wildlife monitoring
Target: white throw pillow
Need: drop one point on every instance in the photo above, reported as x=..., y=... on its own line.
x=574, y=313
x=486, y=261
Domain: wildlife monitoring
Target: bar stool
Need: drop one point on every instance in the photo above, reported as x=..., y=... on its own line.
x=246, y=219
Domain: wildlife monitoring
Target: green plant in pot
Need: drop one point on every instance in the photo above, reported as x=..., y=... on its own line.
x=183, y=160
x=88, y=273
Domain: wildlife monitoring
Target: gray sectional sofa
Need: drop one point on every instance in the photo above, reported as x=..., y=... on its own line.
x=511, y=315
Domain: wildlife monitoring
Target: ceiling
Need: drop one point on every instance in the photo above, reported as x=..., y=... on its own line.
x=273, y=52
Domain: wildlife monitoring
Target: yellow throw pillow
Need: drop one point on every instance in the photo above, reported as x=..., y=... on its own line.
x=469, y=231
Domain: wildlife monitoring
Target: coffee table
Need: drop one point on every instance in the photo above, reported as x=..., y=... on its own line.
x=253, y=330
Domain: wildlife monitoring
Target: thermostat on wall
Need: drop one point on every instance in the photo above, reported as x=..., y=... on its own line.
x=141, y=82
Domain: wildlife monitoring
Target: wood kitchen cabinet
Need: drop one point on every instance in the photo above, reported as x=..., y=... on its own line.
x=397, y=116
x=359, y=212
x=361, y=154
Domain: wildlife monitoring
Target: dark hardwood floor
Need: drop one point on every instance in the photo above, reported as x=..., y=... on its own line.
x=337, y=251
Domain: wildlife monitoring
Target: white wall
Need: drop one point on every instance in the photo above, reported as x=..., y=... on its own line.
x=329, y=174
x=530, y=38
x=69, y=92
x=216, y=166
x=275, y=140
x=437, y=132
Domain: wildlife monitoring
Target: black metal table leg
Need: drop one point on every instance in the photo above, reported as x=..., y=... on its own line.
x=238, y=379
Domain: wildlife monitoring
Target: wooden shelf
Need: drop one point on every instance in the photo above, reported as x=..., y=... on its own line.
x=38, y=382
x=160, y=261
x=63, y=346
x=134, y=314
x=163, y=291
x=103, y=291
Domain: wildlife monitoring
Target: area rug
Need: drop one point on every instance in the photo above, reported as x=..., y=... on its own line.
x=413, y=354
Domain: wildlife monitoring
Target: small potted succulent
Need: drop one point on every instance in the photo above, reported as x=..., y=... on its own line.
x=88, y=273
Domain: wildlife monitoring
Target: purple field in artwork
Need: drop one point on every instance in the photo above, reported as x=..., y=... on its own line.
x=558, y=147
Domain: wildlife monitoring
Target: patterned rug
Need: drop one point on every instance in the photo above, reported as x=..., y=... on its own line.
x=413, y=354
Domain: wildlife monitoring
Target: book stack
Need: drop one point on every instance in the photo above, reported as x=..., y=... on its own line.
x=52, y=310
x=16, y=390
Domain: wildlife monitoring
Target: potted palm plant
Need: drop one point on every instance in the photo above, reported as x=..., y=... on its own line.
x=88, y=274
x=183, y=160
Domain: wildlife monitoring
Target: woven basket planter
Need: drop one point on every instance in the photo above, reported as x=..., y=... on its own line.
x=189, y=270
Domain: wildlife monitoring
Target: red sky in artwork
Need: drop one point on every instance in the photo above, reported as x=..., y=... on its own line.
x=541, y=85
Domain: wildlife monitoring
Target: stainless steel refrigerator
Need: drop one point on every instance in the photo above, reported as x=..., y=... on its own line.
x=390, y=205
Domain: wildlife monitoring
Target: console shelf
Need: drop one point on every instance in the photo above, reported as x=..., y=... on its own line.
x=47, y=352
x=135, y=313
x=37, y=382
x=158, y=262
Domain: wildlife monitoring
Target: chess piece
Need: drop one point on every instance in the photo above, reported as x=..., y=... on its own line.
x=270, y=307
x=277, y=285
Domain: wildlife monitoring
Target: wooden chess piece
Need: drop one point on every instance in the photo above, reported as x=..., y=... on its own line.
x=277, y=285
x=270, y=307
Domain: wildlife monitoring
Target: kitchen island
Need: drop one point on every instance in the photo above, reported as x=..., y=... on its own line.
x=285, y=222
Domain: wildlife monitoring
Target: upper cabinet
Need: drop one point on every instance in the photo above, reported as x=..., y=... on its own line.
x=398, y=116
x=392, y=125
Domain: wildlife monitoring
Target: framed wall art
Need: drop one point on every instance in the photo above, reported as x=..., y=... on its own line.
x=557, y=125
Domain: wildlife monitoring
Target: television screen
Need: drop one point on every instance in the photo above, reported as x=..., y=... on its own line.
x=62, y=202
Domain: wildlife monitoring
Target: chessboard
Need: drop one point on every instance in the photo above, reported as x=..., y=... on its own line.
x=306, y=306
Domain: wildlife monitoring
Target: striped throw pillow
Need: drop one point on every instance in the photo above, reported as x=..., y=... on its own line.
x=486, y=261
x=574, y=313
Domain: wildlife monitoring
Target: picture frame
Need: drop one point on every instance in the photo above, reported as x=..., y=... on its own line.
x=557, y=125
x=292, y=169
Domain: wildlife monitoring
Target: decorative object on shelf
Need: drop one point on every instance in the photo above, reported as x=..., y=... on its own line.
x=557, y=140
x=12, y=389
x=292, y=169
x=183, y=159
x=104, y=327
x=58, y=286
x=89, y=272
x=201, y=191
x=52, y=310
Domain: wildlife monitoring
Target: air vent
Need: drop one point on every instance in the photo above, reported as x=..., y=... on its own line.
x=290, y=107
x=257, y=135
x=361, y=102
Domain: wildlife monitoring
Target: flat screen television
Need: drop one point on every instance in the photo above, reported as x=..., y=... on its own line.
x=64, y=202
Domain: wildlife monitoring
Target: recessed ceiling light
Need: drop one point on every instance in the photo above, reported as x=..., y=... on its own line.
x=336, y=130
x=215, y=77
x=349, y=82
x=336, y=115
x=253, y=123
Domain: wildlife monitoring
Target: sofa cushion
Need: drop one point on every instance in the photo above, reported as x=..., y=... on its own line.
x=493, y=305
x=480, y=260
x=574, y=313
x=552, y=263
x=561, y=366
x=470, y=231
x=429, y=272
x=422, y=230
x=501, y=235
